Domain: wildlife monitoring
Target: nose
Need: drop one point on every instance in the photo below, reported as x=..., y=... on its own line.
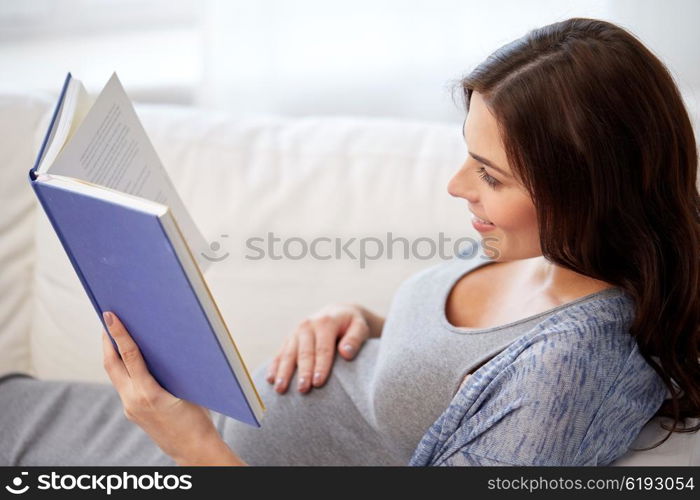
x=461, y=185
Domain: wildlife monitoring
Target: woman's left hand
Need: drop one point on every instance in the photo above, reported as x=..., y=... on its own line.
x=183, y=430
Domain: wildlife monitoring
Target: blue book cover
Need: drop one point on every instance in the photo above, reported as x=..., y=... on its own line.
x=132, y=258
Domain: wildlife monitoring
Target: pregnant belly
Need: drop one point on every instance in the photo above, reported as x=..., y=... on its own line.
x=321, y=427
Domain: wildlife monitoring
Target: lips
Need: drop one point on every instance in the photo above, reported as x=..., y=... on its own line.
x=482, y=219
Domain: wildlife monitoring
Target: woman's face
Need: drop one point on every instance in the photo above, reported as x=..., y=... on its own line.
x=485, y=180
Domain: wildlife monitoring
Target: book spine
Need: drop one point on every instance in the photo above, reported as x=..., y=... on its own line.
x=38, y=189
x=52, y=128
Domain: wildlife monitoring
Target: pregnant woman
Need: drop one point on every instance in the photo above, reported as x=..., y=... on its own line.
x=580, y=326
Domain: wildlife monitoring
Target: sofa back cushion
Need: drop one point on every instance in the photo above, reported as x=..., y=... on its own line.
x=298, y=179
x=21, y=116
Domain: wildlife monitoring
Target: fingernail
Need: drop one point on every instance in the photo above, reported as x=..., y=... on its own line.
x=348, y=348
x=109, y=319
x=302, y=383
x=278, y=384
x=317, y=377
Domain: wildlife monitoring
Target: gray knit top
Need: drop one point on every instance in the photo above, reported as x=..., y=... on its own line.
x=564, y=387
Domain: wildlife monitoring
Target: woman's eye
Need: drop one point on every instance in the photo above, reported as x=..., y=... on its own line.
x=491, y=181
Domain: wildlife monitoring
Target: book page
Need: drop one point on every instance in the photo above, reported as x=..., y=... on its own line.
x=110, y=148
x=76, y=104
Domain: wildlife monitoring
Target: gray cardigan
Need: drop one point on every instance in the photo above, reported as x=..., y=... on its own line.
x=573, y=391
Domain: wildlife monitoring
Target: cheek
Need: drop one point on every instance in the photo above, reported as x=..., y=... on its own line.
x=516, y=213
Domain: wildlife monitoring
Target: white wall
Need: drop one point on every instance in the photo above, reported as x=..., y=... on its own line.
x=360, y=57
x=391, y=57
x=154, y=45
x=369, y=57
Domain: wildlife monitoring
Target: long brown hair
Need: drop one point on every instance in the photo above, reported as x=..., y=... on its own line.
x=595, y=128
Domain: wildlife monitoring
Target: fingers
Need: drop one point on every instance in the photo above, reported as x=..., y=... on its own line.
x=354, y=337
x=131, y=358
x=287, y=363
x=311, y=347
x=305, y=356
x=274, y=365
x=112, y=364
x=326, y=336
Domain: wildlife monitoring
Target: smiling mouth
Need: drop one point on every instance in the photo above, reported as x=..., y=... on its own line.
x=482, y=221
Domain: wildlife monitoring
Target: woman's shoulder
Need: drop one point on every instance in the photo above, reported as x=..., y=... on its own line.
x=603, y=317
x=589, y=343
x=573, y=389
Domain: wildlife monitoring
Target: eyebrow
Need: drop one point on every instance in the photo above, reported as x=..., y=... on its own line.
x=488, y=163
x=483, y=160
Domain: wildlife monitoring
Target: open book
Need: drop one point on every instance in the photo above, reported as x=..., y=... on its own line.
x=135, y=248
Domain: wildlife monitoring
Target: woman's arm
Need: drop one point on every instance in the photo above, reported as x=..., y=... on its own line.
x=215, y=453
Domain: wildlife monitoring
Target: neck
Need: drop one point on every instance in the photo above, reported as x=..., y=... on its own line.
x=558, y=282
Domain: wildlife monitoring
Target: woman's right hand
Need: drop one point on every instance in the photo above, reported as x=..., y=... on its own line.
x=311, y=346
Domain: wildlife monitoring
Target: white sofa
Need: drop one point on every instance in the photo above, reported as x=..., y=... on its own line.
x=242, y=178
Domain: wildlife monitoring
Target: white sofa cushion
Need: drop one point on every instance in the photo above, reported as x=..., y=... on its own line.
x=330, y=177
x=680, y=449
x=21, y=117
